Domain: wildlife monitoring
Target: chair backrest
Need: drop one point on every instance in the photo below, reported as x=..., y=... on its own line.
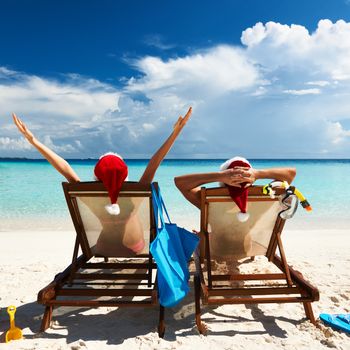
x=229, y=237
x=102, y=234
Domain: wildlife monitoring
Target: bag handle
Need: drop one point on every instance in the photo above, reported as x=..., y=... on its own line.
x=157, y=208
x=159, y=204
x=163, y=205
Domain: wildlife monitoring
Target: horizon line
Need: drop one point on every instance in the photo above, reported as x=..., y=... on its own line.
x=171, y=159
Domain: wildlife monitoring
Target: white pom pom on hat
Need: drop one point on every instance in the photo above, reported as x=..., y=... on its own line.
x=113, y=209
x=238, y=194
x=242, y=217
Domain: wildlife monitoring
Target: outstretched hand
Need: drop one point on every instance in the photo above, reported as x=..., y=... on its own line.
x=22, y=128
x=181, y=122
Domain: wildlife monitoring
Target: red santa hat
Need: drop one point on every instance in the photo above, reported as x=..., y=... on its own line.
x=238, y=194
x=112, y=171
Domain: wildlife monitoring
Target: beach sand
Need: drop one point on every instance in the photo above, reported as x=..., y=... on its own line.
x=30, y=259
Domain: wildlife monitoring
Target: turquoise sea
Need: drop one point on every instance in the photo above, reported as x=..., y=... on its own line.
x=31, y=192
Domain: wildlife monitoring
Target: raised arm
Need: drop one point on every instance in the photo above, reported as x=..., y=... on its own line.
x=281, y=174
x=189, y=185
x=54, y=159
x=158, y=157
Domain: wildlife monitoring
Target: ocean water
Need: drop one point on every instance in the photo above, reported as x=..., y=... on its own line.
x=31, y=191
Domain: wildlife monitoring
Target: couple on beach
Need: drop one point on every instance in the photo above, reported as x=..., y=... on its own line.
x=236, y=173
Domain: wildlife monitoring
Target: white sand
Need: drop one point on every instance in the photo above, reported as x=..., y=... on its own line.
x=29, y=260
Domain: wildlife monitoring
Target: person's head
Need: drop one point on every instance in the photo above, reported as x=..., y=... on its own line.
x=235, y=162
x=238, y=194
x=112, y=171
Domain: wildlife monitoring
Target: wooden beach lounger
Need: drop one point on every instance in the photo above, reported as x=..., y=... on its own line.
x=107, y=273
x=225, y=240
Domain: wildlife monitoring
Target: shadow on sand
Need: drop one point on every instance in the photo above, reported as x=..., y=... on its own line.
x=120, y=324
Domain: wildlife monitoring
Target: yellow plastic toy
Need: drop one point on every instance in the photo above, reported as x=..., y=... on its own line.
x=14, y=333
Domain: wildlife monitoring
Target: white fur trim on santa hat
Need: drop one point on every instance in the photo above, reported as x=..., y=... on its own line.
x=225, y=165
x=111, y=154
x=242, y=217
x=113, y=209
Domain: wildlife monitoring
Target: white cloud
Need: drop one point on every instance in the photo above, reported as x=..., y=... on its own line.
x=326, y=50
x=303, y=92
x=261, y=90
x=81, y=117
x=321, y=83
x=337, y=133
x=53, y=110
x=148, y=126
x=76, y=97
x=209, y=73
x=65, y=148
x=241, y=98
x=7, y=143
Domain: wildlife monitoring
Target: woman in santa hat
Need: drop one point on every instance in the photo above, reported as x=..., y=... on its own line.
x=112, y=171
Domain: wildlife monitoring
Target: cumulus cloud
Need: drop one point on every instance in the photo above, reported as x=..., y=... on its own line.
x=52, y=109
x=303, y=92
x=326, y=50
x=284, y=93
x=337, y=133
x=209, y=73
x=81, y=117
x=75, y=96
x=256, y=91
x=7, y=143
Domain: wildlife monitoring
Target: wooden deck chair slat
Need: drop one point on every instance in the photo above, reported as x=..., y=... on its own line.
x=111, y=276
x=101, y=303
x=273, y=300
x=253, y=291
x=104, y=283
x=249, y=277
x=104, y=293
x=118, y=266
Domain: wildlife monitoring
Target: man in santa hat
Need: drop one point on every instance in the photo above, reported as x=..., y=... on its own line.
x=237, y=174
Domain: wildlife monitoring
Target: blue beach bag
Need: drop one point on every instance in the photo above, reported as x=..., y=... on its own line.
x=171, y=249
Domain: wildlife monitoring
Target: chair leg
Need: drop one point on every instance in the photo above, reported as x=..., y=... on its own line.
x=309, y=313
x=161, y=325
x=197, y=296
x=45, y=323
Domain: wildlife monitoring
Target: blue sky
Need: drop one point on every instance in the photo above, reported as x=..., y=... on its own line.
x=266, y=79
